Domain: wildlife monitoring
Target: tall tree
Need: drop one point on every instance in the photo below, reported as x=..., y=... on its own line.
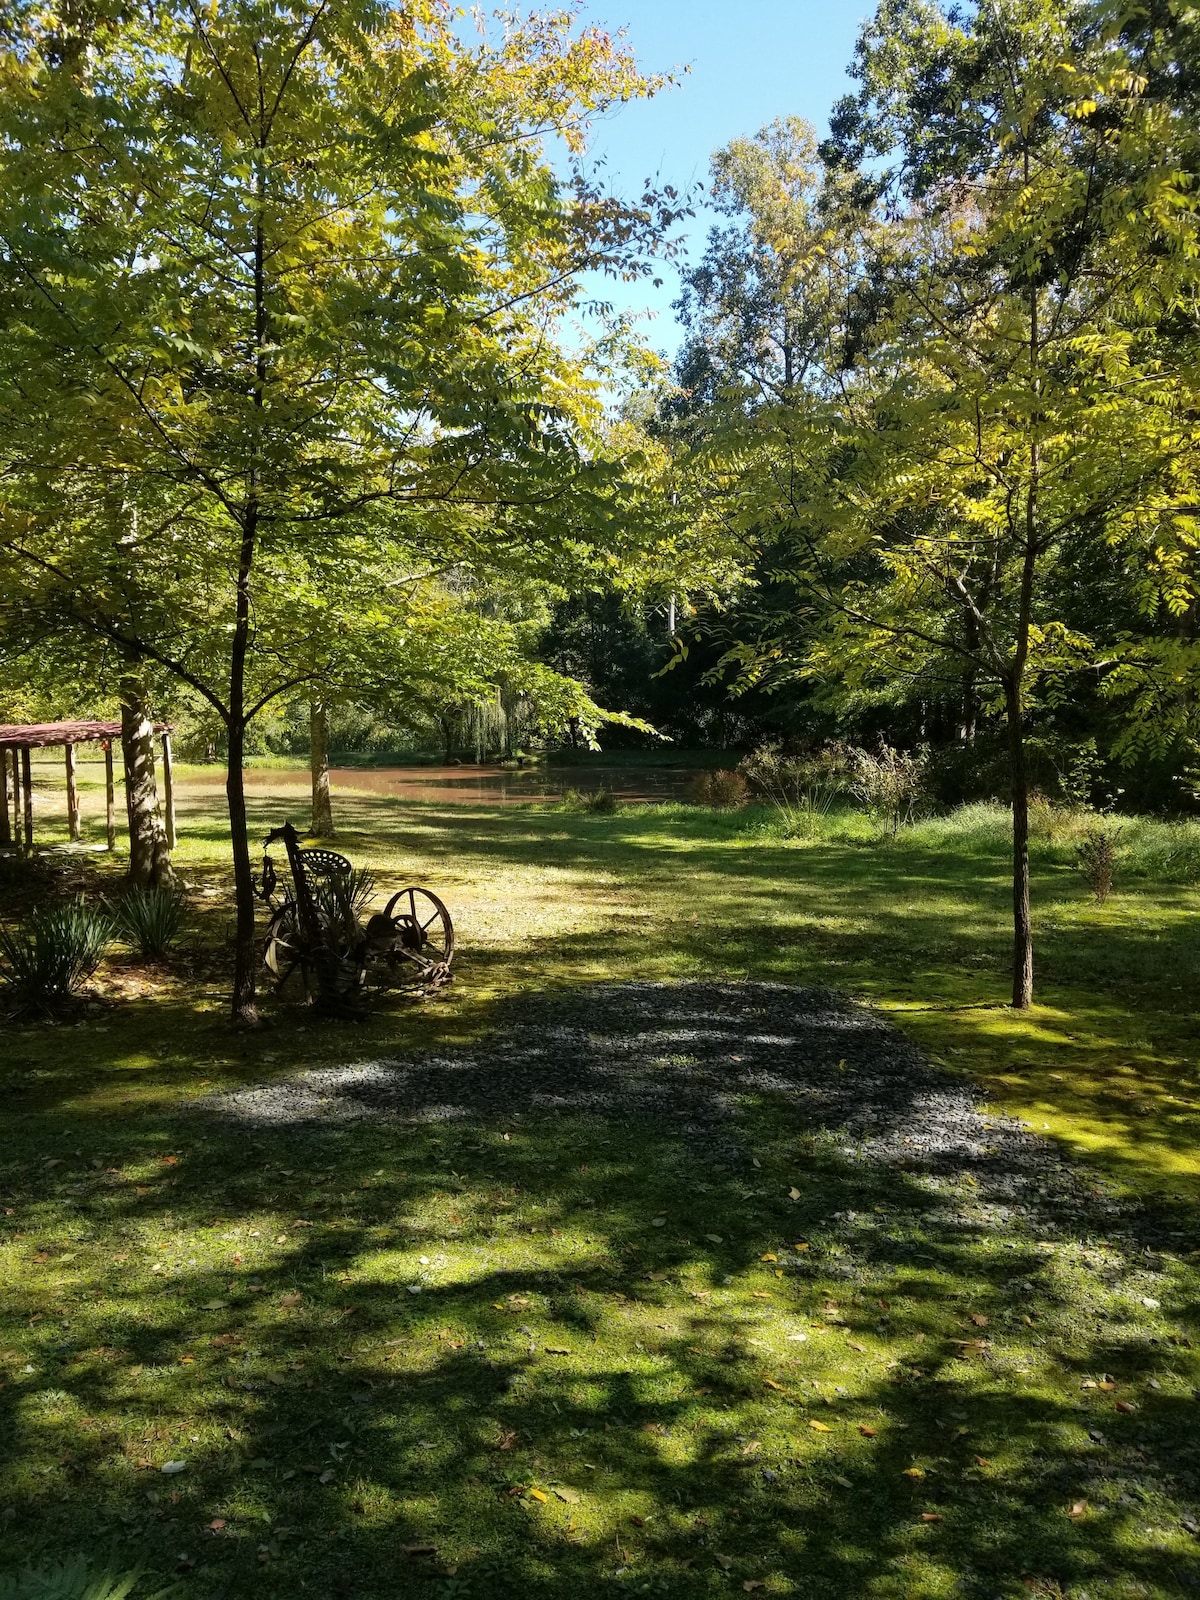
x=1004, y=397
x=287, y=277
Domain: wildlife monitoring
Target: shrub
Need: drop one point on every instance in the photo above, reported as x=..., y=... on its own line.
x=600, y=802
x=889, y=785
x=1096, y=857
x=150, y=919
x=55, y=952
x=722, y=789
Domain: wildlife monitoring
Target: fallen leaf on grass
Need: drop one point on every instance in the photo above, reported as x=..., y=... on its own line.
x=861, y=1348
x=819, y=1427
x=1127, y=1406
x=768, y=1257
x=845, y=1482
x=982, y=1461
x=914, y=1472
x=326, y=1476
x=658, y=1222
x=753, y=1583
x=978, y=1318
x=793, y=1194
x=419, y=1549
x=170, y=1467
x=1077, y=1509
x=867, y=1433
x=761, y=1294
x=724, y=1562
x=557, y=1350
x=214, y=1305
x=801, y=1246
x=771, y=1384
x=289, y=1300
x=536, y=1494
x=217, y=1524
x=570, y=1496
x=931, y=1516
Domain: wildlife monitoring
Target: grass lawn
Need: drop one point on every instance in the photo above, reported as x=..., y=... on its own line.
x=580, y=1398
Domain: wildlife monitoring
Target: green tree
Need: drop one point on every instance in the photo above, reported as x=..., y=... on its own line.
x=285, y=280
x=1005, y=396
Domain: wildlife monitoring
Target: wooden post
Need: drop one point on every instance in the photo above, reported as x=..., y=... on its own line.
x=27, y=784
x=109, y=795
x=5, y=814
x=72, y=795
x=168, y=791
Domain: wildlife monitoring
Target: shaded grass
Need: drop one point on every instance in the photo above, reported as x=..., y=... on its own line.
x=182, y=1290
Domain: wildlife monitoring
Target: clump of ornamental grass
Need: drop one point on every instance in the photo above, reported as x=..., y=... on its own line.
x=151, y=919
x=52, y=955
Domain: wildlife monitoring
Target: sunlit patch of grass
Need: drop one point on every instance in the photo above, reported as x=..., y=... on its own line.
x=577, y=1401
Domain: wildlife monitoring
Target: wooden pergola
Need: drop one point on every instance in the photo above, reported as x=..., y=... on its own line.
x=17, y=740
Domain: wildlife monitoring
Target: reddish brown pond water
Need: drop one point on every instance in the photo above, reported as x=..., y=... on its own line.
x=469, y=785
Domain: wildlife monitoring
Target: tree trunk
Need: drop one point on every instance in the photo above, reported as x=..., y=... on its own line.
x=446, y=723
x=245, y=951
x=149, y=857
x=1022, y=971
x=318, y=757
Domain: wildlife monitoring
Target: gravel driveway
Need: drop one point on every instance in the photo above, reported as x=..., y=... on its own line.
x=694, y=1057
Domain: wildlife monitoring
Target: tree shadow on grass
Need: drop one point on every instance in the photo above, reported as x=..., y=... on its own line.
x=717, y=1284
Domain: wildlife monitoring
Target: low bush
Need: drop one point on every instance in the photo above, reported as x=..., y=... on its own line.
x=150, y=919
x=600, y=802
x=722, y=789
x=1096, y=857
x=56, y=951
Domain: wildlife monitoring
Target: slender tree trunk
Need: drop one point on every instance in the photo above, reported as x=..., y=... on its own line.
x=245, y=944
x=1022, y=973
x=245, y=951
x=149, y=857
x=318, y=757
x=446, y=723
x=1014, y=694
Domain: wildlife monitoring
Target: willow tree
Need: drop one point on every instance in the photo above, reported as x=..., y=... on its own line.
x=277, y=277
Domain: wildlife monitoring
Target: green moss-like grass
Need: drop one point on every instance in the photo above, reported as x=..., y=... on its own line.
x=579, y=1402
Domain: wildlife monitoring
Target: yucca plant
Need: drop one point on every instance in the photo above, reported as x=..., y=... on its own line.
x=57, y=950
x=341, y=898
x=151, y=919
x=74, y=1580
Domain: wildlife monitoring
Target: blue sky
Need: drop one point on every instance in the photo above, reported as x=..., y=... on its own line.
x=751, y=61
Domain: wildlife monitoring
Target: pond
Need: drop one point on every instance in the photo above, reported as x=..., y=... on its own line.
x=469, y=785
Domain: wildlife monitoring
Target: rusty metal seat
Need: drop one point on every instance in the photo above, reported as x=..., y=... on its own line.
x=319, y=864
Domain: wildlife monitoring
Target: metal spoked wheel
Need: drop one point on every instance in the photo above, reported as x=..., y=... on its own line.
x=422, y=941
x=283, y=952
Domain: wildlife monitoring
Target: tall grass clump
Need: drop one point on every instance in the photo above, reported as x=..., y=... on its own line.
x=597, y=802
x=52, y=955
x=890, y=785
x=150, y=919
x=802, y=789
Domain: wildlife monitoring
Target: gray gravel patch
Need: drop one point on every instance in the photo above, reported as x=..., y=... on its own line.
x=695, y=1058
